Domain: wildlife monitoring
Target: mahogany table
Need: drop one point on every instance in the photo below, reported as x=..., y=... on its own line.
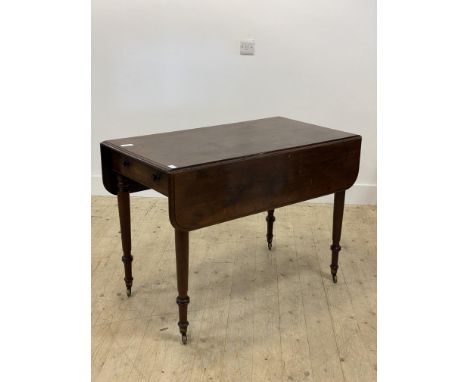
x=219, y=173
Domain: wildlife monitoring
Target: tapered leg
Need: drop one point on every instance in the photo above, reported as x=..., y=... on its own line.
x=270, y=219
x=338, y=209
x=182, y=262
x=123, y=198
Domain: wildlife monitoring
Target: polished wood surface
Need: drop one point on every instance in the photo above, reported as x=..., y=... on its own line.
x=338, y=209
x=123, y=199
x=220, y=173
x=200, y=197
x=195, y=147
x=182, y=266
x=270, y=220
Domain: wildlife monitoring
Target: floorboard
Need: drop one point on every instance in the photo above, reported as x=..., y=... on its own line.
x=255, y=314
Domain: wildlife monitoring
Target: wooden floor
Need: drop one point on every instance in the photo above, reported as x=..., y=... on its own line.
x=255, y=314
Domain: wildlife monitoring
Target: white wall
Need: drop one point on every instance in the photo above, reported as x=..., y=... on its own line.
x=162, y=65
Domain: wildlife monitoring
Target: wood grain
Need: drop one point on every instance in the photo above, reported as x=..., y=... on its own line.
x=229, y=190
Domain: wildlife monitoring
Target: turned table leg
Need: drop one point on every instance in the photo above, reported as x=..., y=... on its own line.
x=270, y=219
x=338, y=209
x=123, y=198
x=182, y=263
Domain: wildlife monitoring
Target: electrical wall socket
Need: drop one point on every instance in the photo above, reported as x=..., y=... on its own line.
x=247, y=47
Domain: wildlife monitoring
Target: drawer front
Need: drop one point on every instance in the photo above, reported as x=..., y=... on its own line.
x=232, y=189
x=141, y=175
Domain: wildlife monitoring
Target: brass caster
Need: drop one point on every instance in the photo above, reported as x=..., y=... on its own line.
x=335, y=279
x=269, y=246
x=129, y=292
x=184, y=338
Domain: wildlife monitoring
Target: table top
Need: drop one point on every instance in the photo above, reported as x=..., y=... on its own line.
x=187, y=148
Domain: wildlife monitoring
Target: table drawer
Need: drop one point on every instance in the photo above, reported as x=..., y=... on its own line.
x=140, y=174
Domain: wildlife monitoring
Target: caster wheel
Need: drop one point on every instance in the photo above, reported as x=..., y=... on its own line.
x=129, y=292
x=335, y=279
x=184, y=338
x=269, y=246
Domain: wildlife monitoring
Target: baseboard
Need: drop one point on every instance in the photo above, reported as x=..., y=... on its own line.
x=358, y=194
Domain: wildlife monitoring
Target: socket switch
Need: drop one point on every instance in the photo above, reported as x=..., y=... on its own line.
x=247, y=47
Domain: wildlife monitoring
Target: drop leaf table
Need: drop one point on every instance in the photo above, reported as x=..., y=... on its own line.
x=214, y=174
